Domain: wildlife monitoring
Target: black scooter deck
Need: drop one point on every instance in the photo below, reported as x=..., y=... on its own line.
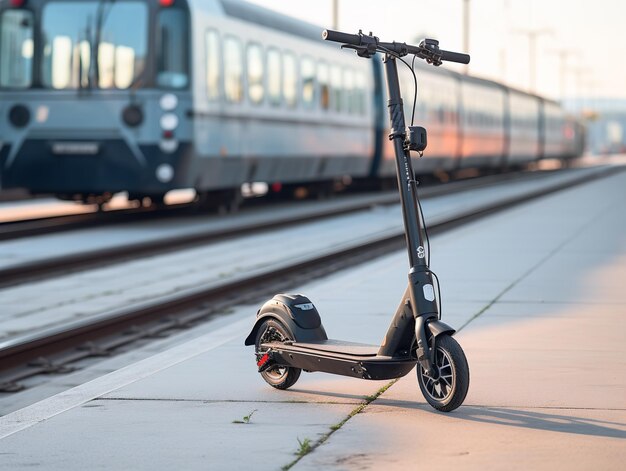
x=340, y=346
x=339, y=357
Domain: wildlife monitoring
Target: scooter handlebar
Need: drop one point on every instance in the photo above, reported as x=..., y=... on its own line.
x=368, y=45
x=454, y=57
x=339, y=37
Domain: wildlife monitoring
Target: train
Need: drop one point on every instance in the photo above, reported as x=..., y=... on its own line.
x=147, y=96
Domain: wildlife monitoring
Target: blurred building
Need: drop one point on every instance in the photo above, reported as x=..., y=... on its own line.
x=605, y=119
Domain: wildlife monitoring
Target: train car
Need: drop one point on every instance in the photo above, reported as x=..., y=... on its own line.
x=466, y=119
x=80, y=127
x=552, y=134
x=290, y=108
x=524, y=131
x=437, y=110
x=574, y=133
x=483, y=113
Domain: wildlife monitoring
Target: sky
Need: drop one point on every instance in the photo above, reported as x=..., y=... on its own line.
x=591, y=34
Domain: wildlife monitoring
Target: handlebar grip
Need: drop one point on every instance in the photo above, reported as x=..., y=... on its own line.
x=455, y=57
x=339, y=37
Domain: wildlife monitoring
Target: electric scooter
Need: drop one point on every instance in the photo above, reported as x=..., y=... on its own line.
x=288, y=334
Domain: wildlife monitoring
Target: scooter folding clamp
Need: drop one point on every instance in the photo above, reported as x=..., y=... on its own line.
x=361, y=370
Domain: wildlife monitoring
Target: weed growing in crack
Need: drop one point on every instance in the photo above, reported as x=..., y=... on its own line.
x=245, y=419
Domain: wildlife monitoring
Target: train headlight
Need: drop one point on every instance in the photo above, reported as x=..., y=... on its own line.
x=132, y=115
x=168, y=102
x=165, y=173
x=168, y=146
x=19, y=116
x=169, y=122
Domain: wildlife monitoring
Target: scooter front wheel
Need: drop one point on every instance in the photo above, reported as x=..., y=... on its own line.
x=447, y=391
x=279, y=377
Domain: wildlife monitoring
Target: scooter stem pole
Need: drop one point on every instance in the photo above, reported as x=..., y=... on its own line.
x=404, y=168
x=421, y=291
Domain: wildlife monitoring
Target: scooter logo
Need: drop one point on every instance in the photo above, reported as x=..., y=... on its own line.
x=305, y=307
x=420, y=252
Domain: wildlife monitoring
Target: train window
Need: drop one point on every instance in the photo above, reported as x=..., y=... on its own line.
x=307, y=72
x=74, y=33
x=172, y=47
x=233, y=69
x=322, y=79
x=16, y=49
x=361, y=87
x=256, y=89
x=290, y=80
x=348, y=81
x=273, y=76
x=336, y=83
x=213, y=65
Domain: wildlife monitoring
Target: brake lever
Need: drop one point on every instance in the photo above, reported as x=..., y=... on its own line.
x=362, y=51
x=434, y=60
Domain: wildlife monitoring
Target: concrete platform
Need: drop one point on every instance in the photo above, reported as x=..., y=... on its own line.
x=538, y=294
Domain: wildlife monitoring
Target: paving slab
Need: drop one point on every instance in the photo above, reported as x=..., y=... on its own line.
x=174, y=435
x=548, y=385
x=398, y=435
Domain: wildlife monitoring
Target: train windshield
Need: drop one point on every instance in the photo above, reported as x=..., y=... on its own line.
x=16, y=49
x=93, y=44
x=172, y=55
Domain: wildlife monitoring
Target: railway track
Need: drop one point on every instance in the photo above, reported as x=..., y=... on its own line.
x=11, y=229
x=55, y=349
x=275, y=216
x=301, y=213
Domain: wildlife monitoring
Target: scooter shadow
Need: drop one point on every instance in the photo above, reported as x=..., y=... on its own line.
x=505, y=416
x=544, y=421
x=530, y=419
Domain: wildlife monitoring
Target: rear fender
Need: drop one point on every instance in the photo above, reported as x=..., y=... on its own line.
x=296, y=313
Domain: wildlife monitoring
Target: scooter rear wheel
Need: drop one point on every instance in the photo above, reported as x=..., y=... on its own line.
x=448, y=391
x=279, y=377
